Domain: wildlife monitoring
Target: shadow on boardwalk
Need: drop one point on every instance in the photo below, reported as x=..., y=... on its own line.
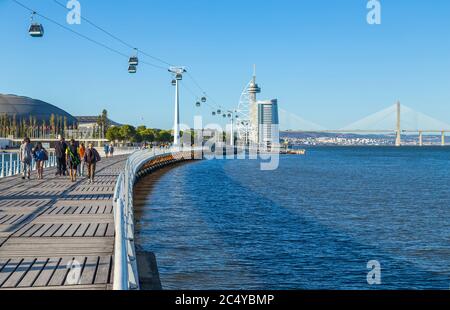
x=55, y=234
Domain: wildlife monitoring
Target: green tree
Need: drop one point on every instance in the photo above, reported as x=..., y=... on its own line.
x=103, y=122
x=140, y=133
x=147, y=135
x=141, y=128
x=127, y=133
x=113, y=134
x=53, y=123
x=165, y=136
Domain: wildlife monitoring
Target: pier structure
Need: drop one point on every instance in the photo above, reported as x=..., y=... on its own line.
x=56, y=234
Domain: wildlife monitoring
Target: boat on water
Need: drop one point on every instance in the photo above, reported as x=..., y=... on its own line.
x=293, y=152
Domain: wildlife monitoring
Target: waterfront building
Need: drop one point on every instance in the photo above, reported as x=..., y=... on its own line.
x=22, y=116
x=91, y=122
x=38, y=112
x=268, y=123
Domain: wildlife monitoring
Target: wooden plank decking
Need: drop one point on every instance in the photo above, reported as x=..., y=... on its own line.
x=53, y=230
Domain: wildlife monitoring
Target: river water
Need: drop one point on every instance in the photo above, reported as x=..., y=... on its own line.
x=314, y=223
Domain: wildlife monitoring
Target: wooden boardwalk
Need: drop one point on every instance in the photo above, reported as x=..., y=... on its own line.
x=55, y=234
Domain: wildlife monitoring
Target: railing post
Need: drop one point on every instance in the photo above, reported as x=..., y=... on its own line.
x=10, y=164
x=17, y=164
x=2, y=172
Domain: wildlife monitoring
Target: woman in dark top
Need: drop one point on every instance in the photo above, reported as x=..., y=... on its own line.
x=72, y=159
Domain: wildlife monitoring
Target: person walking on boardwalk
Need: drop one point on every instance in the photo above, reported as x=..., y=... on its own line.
x=40, y=156
x=81, y=152
x=60, y=153
x=111, y=150
x=91, y=158
x=72, y=159
x=26, y=157
x=106, y=150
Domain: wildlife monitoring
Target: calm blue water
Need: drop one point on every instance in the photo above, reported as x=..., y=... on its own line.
x=312, y=224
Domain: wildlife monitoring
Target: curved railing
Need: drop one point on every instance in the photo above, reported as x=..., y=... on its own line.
x=138, y=164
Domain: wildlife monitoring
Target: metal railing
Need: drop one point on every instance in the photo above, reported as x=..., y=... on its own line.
x=125, y=266
x=11, y=165
x=125, y=150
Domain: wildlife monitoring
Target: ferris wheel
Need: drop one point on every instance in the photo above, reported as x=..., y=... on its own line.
x=243, y=113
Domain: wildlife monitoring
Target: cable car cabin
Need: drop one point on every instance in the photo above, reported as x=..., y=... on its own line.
x=203, y=99
x=198, y=104
x=174, y=82
x=132, y=69
x=219, y=112
x=36, y=30
x=134, y=61
x=229, y=115
x=179, y=77
x=224, y=116
x=214, y=113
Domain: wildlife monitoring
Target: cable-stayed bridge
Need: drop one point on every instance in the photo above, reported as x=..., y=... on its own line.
x=398, y=119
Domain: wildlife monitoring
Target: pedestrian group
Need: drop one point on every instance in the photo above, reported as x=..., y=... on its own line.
x=72, y=159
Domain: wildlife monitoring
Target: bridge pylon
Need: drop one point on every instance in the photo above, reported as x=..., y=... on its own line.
x=398, y=140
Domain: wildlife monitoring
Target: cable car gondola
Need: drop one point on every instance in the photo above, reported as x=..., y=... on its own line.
x=179, y=77
x=203, y=99
x=36, y=30
x=134, y=61
x=198, y=104
x=224, y=116
x=174, y=82
x=229, y=115
x=132, y=69
x=219, y=112
x=214, y=113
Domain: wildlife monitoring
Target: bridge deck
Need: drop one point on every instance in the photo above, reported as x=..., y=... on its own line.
x=47, y=226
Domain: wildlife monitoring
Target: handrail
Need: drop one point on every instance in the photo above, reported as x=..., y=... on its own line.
x=125, y=266
x=11, y=165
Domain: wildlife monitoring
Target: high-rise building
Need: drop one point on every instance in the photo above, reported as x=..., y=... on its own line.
x=253, y=89
x=259, y=124
x=268, y=123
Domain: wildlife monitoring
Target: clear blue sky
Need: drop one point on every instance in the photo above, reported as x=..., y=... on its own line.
x=318, y=57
